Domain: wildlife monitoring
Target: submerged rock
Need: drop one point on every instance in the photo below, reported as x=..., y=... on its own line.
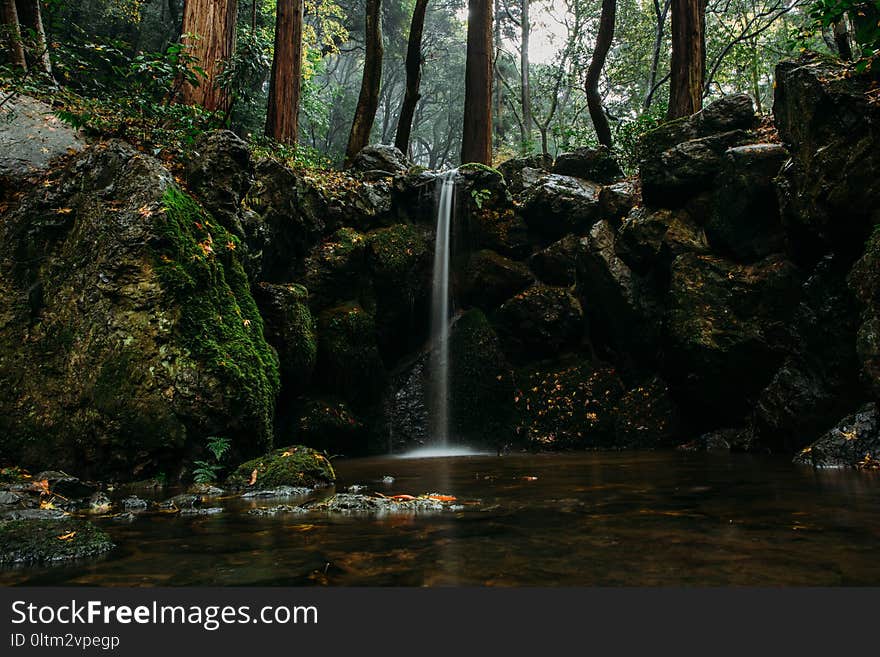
x=41, y=541
x=853, y=443
x=278, y=491
x=296, y=466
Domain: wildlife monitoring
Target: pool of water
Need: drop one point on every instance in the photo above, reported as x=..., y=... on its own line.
x=633, y=519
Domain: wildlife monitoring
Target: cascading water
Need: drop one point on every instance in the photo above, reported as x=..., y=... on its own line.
x=438, y=382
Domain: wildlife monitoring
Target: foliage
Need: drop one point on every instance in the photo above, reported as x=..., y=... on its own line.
x=206, y=472
x=864, y=15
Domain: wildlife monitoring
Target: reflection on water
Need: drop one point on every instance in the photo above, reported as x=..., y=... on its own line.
x=639, y=519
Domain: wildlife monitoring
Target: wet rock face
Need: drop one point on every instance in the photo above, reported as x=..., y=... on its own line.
x=744, y=221
x=864, y=282
x=646, y=417
x=827, y=118
x=522, y=172
x=290, y=329
x=381, y=157
x=144, y=335
x=726, y=329
x=557, y=205
x=557, y=264
x=615, y=201
x=490, y=279
x=596, y=164
x=653, y=239
x=541, y=321
x=853, y=443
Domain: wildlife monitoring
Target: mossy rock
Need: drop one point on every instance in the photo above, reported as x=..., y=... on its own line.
x=646, y=417
x=335, y=269
x=290, y=328
x=349, y=363
x=295, y=465
x=491, y=279
x=41, y=541
x=482, y=389
x=568, y=406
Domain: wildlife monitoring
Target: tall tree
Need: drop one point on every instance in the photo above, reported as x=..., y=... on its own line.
x=524, y=68
x=688, y=65
x=282, y=116
x=603, y=44
x=661, y=11
x=209, y=30
x=368, y=100
x=413, y=76
x=11, y=34
x=31, y=17
x=476, y=139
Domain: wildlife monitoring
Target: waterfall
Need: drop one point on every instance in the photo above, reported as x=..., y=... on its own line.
x=438, y=382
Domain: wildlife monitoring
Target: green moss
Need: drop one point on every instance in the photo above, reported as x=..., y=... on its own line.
x=327, y=424
x=482, y=382
x=219, y=320
x=300, y=335
x=396, y=250
x=349, y=362
x=476, y=166
x=295, y=465
x=35, y=541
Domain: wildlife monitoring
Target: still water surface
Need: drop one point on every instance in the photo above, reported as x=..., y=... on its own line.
x=634, y=519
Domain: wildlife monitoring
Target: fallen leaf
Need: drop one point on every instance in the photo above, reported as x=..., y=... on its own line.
x=66, y=537
x=253, y=478
x=442, y=498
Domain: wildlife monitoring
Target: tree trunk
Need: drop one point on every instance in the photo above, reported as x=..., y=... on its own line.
x=31, y=17
x=594, y=72
x=526, y=104
x=498, y=91
x=413, y=76
x=368, y=101
x=660, y=13
x=12, y=34
x=841, y=40
x=282, y=116
x=476, y=139
x=688, y=58
x=213, y=23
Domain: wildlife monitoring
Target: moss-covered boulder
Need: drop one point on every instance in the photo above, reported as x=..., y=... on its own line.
x=48, y=541
x=864, y=282
x=128, y=332
x=335, y=269
x=557, y=205
x=853, y=443
x=290, y=329
x=539, y=322
x=567, y=405
x=349, y=363
x=490, y=279
x=482, y=388
x=651, y=239
x=295, y=465
x=399, y=263
x=499, y=229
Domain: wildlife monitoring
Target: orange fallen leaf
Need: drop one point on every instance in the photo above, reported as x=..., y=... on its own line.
x=253, y=478
x=442, y=498
x=64, y=210
x=66, y=537
x=530, y=478
x=402, y=498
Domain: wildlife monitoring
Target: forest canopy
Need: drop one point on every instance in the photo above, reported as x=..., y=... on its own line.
x=343, y=69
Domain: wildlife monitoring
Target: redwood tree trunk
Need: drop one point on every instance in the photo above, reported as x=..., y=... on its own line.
x=526, y=100
x=476, y=139
x=213, y=22
x=594, y=72
x=688, y=58
x=11, y=34
x=413, y=76
x=32, y=18
x=282, y=116
x=368, y=101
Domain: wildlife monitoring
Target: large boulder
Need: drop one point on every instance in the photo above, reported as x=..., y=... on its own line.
x=522, y=172
x=652, y=239
x=818, y=382
x=828, y=117
x=381, y=157
x=490, y=279
x=615, y=201
x=744, y=222
x=295, y=465
x=646, y=417
x=853, y=443
x=727, y=327
x=398, y=260
x=128, y=332
x=624, y=307
x=539, y=322
x=335, y=269
x=596, y=164
x=499, y=229
x=864, y=282
x=219, y=174
x=557, y=205
x=290, y=329
x=557, y=264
